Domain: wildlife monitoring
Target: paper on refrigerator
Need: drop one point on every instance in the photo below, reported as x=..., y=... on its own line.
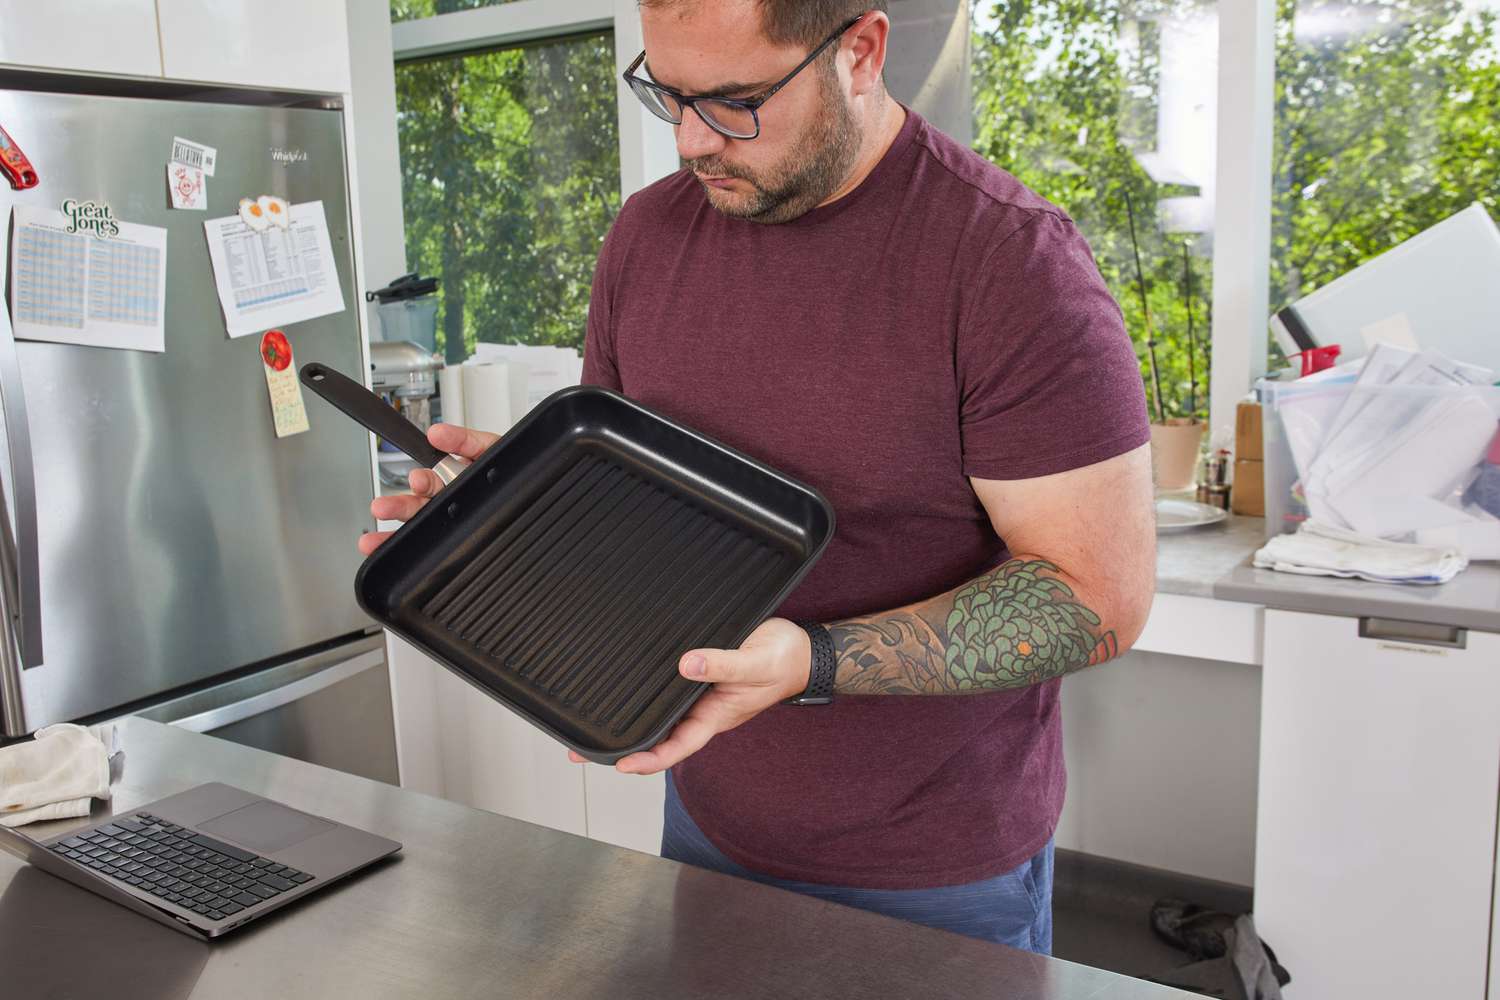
x=77, y=287
x=276, y=277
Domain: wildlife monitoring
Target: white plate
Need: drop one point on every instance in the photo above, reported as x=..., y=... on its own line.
x=1185, y=515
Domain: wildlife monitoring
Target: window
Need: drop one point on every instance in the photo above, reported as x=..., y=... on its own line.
x=1108, y=108
x=411, y=10
x=1387, y=121
x=510, y=169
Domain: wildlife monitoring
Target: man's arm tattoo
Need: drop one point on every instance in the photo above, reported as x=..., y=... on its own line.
x=1016, y=626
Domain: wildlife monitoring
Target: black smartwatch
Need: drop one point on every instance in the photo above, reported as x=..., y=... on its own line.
x=820, y=677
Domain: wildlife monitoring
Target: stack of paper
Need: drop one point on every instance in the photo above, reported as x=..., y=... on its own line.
x=1387, y=451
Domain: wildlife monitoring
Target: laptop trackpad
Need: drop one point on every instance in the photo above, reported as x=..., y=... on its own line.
x=265, y=826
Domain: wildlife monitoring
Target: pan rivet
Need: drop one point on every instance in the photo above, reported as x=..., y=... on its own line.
x=453, y=510
x=492, y=477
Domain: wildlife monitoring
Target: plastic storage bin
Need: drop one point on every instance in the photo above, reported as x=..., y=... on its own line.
x=1388, y=460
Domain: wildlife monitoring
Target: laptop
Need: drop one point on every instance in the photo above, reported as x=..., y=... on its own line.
x=206, y=861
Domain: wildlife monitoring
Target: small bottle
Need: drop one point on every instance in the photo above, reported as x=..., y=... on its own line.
x=1205, y=478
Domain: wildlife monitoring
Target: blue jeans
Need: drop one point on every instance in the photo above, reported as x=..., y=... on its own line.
x=1014, y=908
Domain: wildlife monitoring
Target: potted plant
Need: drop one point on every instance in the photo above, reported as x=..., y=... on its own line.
x=1176, y=433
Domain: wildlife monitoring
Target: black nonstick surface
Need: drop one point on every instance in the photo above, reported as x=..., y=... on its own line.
x=567, y=570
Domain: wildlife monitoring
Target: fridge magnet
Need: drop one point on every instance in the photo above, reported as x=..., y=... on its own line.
x=13, y=162
x=287, y=410
x=252, y=215
x=186, y=186
x=275, y=209
x=93, y=218
x=192, y=154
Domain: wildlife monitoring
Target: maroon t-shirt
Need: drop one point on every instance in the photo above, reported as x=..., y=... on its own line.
x=939, y=322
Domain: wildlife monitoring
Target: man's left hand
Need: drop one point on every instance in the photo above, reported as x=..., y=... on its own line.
x=770, y=666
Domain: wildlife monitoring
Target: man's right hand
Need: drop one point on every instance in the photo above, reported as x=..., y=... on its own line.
x=425, y=484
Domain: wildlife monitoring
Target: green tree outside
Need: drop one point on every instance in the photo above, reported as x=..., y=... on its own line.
x=510, y=179
x=1057, y=106
x=1387, y=121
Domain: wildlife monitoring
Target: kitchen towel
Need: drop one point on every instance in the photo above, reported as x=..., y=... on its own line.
x=55, y=775
x=451, y=394
x=1321, y=550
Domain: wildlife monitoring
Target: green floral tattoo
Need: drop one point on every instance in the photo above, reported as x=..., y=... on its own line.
x=1016, y=626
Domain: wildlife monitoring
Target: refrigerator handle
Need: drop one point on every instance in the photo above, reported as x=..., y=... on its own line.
x=20, y=570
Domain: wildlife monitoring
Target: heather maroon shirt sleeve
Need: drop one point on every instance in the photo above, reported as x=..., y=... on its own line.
x=1048, y=378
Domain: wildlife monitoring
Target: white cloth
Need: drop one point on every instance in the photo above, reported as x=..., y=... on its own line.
x=54, y=775
x=1320, y=550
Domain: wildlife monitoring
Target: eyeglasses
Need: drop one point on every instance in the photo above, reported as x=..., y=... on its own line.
x=734, y=119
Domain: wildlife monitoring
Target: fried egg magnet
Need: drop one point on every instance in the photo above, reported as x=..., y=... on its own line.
x=275, y=209
x=252, y=215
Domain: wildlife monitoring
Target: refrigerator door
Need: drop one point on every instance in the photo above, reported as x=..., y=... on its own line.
x=177, y=537
x=331, y=708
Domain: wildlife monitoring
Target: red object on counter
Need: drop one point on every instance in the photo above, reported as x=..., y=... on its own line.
x=17, y=167
x=1319, y=358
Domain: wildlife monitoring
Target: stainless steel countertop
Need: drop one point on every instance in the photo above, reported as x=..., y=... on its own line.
x=1470, y=600
x=479, y=904
x=1215, y=562
x=1191, y=562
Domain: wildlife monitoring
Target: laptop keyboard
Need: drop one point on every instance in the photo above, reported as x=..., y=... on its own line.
x=180, y=866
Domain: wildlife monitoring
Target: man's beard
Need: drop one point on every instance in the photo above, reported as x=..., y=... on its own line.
x=794, y=187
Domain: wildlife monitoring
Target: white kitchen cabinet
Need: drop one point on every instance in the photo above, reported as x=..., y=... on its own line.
x=279, y=44
x=1379, y=762
x=1161, y=753
x=459, y=743
x=117, y=37
x=625, y=809
x=1495, y=926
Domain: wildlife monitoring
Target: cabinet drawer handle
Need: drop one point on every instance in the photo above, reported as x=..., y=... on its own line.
x=1418, y=633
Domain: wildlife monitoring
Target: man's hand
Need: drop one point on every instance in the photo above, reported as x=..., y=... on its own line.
x=770, y=666
x=425, y=484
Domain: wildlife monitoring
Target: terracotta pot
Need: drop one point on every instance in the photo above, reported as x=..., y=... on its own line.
x=1174, y=453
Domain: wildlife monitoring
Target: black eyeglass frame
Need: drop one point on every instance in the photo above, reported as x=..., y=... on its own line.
x=750, y=104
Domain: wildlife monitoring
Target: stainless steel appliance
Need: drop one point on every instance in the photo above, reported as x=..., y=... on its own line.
x=162, y=551
x=405, y=375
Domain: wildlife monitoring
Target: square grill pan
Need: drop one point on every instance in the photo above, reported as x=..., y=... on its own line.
x=566, y=571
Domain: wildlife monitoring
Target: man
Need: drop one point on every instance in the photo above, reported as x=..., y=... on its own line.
x=836, y=288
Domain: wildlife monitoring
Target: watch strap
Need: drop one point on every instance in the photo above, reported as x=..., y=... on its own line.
x=824, y=663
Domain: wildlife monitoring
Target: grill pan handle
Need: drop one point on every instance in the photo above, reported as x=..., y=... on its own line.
x=370, y=411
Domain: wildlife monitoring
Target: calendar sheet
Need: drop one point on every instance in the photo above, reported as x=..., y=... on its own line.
x=82, y=288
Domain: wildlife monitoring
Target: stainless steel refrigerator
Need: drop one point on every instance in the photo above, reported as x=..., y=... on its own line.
x=162, y=551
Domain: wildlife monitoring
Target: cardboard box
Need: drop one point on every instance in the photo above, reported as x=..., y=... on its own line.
x=1247, y=434
x=1249, y=494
